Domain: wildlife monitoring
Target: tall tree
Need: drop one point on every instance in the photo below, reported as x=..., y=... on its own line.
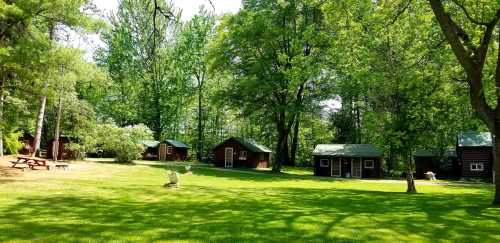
x=194, y=48
x=274, y=51
x=470, y=30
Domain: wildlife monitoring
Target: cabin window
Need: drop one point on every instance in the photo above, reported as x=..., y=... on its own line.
x=369, y=164
x=243, y=155
x=169, y=150
x=324, y=163
x=476, y=166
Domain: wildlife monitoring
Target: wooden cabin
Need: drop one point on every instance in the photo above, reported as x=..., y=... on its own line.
x=347, y=160
x=475, y=155
x=443, y=163
x=240, y=152
x=63, y=153
x=28, y=144
x=151, y=148
x=172, y=150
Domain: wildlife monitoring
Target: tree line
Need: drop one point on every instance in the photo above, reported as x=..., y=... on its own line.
x=404, y=75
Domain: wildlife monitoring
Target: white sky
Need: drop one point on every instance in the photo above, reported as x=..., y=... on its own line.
x=188, y=7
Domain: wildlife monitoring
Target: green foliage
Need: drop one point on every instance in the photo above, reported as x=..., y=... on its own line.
x=125, y=142
x=12, y=145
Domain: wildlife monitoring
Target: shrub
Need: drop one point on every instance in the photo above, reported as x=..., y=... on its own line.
x=125, y=142
x=12, y=145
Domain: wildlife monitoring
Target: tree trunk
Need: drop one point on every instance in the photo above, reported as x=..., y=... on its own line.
x=55, y=145
x=282, y=155
x=199, y=149
x=39, y=124
x=295, y=142
x=409, y=175
x=1, y=116
x=496, y=165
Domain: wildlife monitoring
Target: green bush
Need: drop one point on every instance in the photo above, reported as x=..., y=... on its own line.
x=125, y=142
x=11, y=142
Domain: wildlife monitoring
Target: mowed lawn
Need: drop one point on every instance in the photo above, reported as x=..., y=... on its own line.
x=113, y=202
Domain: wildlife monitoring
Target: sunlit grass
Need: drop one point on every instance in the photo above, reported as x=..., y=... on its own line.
x=117, y=202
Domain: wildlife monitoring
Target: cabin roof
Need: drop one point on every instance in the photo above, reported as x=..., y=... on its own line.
x=176, y=143
x=475, y=139
x=435, y=153
x=150, y=143
x=347, y=150
x=252, y=145
x=249, y=144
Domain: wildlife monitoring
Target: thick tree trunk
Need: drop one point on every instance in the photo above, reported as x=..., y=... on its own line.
x=295, y=143
x=1, y=117
x=39, y=124
x=282, y=155
x=409, y=175
x=55, y=145
x=496, y=166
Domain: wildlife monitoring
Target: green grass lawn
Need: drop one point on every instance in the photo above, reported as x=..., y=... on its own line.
x=113, y=202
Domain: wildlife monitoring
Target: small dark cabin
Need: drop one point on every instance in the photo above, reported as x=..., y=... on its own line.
x=28, y=144
x=443, y=163
x=241, y=152
x=172, y=150
x=151, y=149
x=475, y=155
x=347, y=160
x=63, y=153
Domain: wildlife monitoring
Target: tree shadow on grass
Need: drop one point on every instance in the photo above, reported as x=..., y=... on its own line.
x=204, y=213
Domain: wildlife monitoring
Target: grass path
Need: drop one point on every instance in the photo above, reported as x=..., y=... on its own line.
x=120, y=203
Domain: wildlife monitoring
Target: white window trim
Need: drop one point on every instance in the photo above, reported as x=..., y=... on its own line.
x=169, y=149
x=243, y=155
x=322, y=165
x=477, y=164
x=372, y=166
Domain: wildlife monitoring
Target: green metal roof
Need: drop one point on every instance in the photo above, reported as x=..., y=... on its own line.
x=475, y=139
x=150, y=143
x=253, y=146
x=177, y=144
x=250, y=144
x=435, y=153
x=347, y=150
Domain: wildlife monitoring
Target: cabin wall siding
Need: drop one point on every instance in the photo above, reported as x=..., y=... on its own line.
x=346, y=166
x=470, y=155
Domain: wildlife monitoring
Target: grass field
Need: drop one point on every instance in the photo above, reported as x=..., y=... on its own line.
x=112, y=202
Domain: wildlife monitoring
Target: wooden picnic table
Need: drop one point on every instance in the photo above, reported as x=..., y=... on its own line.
x=32, y=162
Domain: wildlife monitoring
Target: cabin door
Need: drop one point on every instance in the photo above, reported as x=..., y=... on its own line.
x=336, y=167
x=228, y=158
x=356, y=168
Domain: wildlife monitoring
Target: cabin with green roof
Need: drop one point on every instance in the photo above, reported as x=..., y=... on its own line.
x=442, y=162
x=168, y=150
x=475, y=155
x=347, y=160
x=241, y=152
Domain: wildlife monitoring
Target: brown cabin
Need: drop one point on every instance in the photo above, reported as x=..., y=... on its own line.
x=347, y=160
x=239, y=152
x=63, y=153
x=28, y=144
x=150, y=149
x=443, y=163
x=172, y=150
x=475, y=155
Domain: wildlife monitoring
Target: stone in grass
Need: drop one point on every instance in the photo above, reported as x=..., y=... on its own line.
x=174, y=180
x=188, y=170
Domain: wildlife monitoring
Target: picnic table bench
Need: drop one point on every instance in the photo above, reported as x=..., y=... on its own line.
x=31, y=162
